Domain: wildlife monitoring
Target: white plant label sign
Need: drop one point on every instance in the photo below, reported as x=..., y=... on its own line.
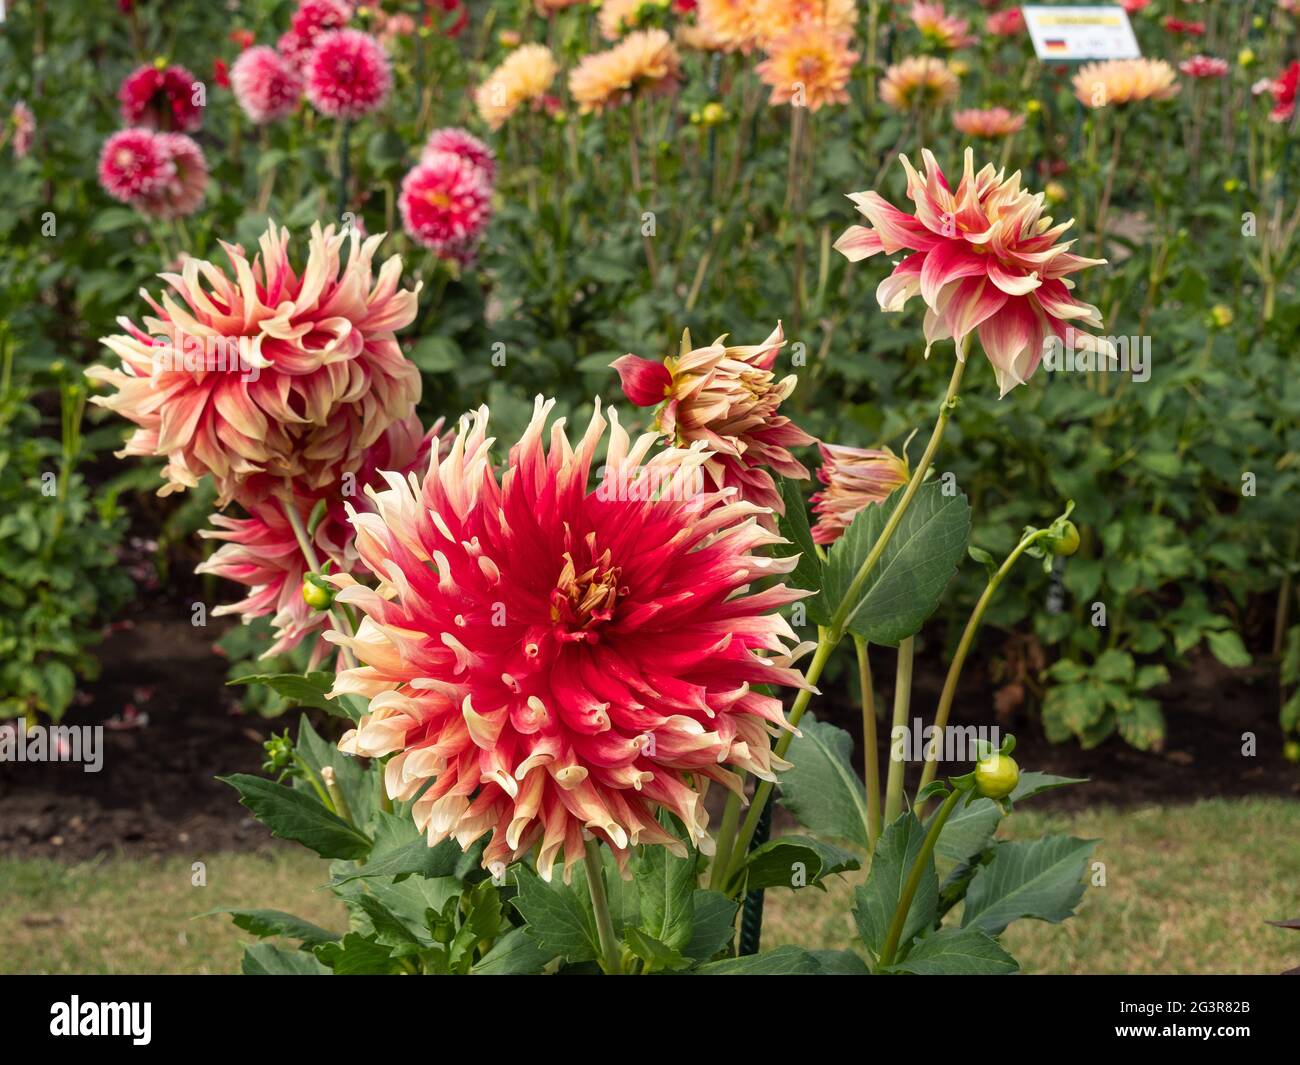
x=1066, y=33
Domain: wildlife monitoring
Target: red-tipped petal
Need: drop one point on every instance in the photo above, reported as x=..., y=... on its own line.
x=645, y=382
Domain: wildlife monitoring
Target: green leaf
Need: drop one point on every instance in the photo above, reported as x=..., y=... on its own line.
x=1227, y=647
x=1039, y=878
x=266, y=959
x=299, y=816
x=1033, y=783
x=821, y=789
x=896, y=852
x=436, y=354
x=354, y=780
x=783, y=961
x=1142, y=725
x=355, y=955
x=841, y=963
x=658, y=956
x=906, y=583
x=400, y=849
x=794, y=862
x=957, y=952
x=300, y=690
x=263, y=923
x=515, y=954
x=793, y=525
x=715, y=924
x=968, y=830
x=666, y=894
x=557, y=921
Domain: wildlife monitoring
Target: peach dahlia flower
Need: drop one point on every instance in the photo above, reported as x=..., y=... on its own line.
x=942, y=29
x=523, y=77
x=773, y=19
x=268, y=375
x=1115, y=82
x=918, y=82
x=728, y=398
x=730, y=23
x=642, y=61
x=552, y=660
x=809, y=66
x=983, y=258
x=990, y=123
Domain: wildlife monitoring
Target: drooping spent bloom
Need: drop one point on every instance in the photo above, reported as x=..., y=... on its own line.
x=543, y=660
x=644, y=61
x=262, y=552
x=727, y=397
x=24, y=128
x=267, y=86
x=461, y=142
x=310, y=21
x=808, y=67
x=1204, y=66
x=445, y=201
x=730, y=23
x=348, y=74
x=162, y=97
x=524, y=77
x=940, y=28
x=182, y=193
x=1008, y=23
x=992, y=123
x=132, y=164
x=1115, y=82
x=983, y=258
x=773, y=19
x=918, y=82
x=1283, y=89
x=854, y=478
x=270, y=376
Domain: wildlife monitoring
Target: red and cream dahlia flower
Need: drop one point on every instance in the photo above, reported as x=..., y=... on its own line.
x=727, y=398
x=182, y=193
x=461, y=142
x=983, y=258
x=445, y=201
x=267, y=85
x=348, y=74
x=161, y=97
x=269, y=376
x=132, y=163
x=544, y=660
x=854, y=478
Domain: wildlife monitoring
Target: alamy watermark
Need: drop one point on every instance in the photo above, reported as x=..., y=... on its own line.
x=956, y=743
x=213, y=354
x=53, y=743
x=1083, y=353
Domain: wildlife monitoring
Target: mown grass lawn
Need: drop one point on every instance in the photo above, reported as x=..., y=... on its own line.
x=1188, y=890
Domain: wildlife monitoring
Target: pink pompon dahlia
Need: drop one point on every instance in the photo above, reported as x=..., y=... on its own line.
x=445, y=201
x=310, y=21
x=1204, y=66
x=162, y=97
x=854, y=478
x=182, y=194
x=348, y=74
x=552, y=660
x=133, y=164
x=271, y=376
x=982, y=258
x=267, y=86
x=727, y=398
x=940, y=28
x=262, y=553
x=461, y=142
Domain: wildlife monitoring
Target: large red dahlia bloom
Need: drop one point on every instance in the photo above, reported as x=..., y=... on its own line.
x=270, y=375
x=984, y=258
x=549, y=659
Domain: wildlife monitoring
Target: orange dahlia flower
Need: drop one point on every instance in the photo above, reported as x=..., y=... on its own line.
x=983, y=258
x=729, y=22
x=544, y=660
x=991, y=123
x=773, y=19
x=808, y=67
x=727, y=398
x=643, y=61
x=854, y=478
x=1124, y=81
x=269, y=376
x=523, y=77
x=918, y=82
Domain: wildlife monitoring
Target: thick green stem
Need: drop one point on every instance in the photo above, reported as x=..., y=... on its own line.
x=870, y=755
x=611, y=955
x=899, y=922
x=897, y=757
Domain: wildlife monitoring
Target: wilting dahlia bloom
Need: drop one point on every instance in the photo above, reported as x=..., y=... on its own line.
x=809, y=66
x=1008, y=23
x=523, y=77
x=993, y=123
x=551, y=660
x=1115, y=82
x=348, y=74
x=266, y=84
x=262, y=553
x=24, y=128
x=270, y=376
x=854, y=478
x=918, y=82
x=464, y=144
x=983, y=258
x=445, y=201
x=731, y=23
x=161, y=97
x=727, y=398
x=1204, y=66
x=940, y=28
x=773, y=19
x=644, y=61
x=312, y=19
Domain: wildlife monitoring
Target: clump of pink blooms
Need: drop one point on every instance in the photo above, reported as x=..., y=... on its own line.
x=266, y=84
x=348, y=74
x=162, y=175
x=446, y=202
x=161, y=97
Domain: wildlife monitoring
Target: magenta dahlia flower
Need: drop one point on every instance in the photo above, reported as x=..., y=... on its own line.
x=348, y=74
x=446, y=201
x=161, y=97
x=728, y=398
x=133, y=164
x=309, y=22
x=550, y=659
x=984, y=259
x=182, y=193
x=269, y=376
x=464, y=144
x=266, y=84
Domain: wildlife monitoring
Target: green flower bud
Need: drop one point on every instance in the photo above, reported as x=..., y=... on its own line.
x=996, y=776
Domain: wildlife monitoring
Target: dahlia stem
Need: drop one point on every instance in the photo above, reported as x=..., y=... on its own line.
x=870, y=757
x=1104, y=206
x=902, y=702
x=959, y=659
x=345, y=136
x=896, y=926
x=309, y=554
x=611, y=956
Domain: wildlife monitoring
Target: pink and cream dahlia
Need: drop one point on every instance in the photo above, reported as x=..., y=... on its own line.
x=132, y=164
x=266, y=84
x=445, y=201
x=940, y=28
x=990, y=123
x=182, y=193
x=854, y=478
x=348, y=74
x=161, y=97
x=727, y=398
x=1204, y=66
x=983, y=258
x=269, y=376
x=545, y=660
x=918, y=83
x=464, y=144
